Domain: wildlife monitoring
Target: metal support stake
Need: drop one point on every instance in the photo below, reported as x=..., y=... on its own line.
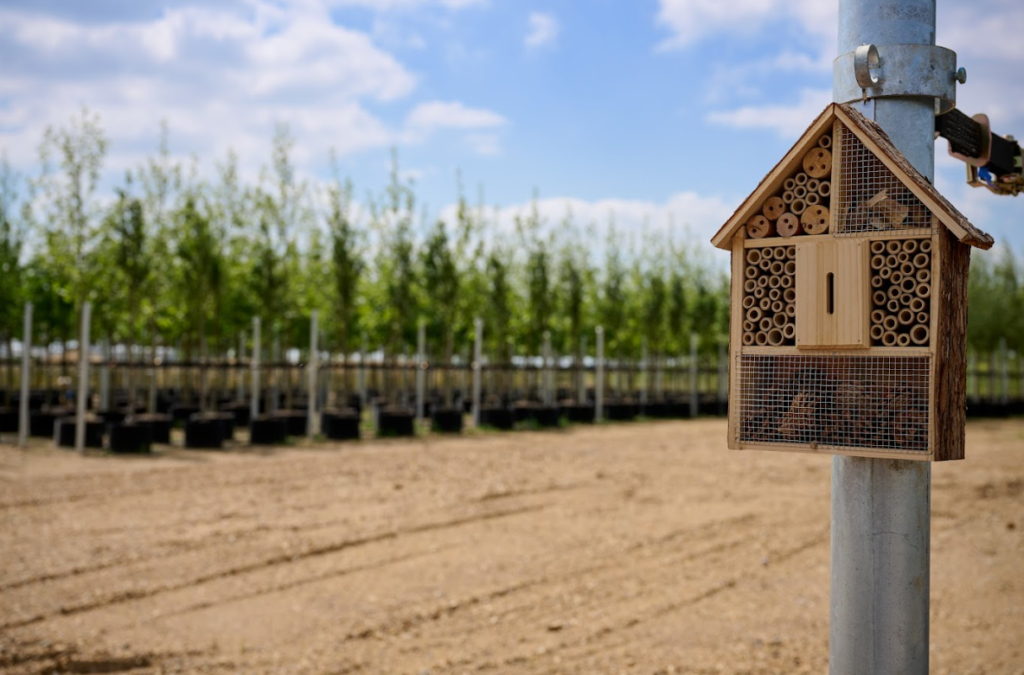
x=105, y=380
x=546, y=372
x=694, y=398
x=254, y=365
x=478, y=347
x=421, y=373
x=643, y=376
x=881, y=509
x=582, y=371
x=362, y=372
x=599, y=377
x=83, y=377
x=26, y=376
x=313, y=370
x=240, y=383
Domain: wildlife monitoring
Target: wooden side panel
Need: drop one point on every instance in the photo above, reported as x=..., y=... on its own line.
x=950, y=344
x=832, y=294
x=735, y=334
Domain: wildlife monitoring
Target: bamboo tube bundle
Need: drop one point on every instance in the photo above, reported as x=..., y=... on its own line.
x=901, y=287
x=768, y=295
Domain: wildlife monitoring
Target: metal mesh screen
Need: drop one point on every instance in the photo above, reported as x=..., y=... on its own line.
x=871, y=198
x=876, y=402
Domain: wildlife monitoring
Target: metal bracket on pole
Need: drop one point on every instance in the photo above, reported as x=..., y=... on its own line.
x=886, y=71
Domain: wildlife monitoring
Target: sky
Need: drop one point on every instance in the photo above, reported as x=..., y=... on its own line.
x=664, y=113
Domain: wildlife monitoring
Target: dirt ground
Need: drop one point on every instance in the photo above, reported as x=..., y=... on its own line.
x=645, y=548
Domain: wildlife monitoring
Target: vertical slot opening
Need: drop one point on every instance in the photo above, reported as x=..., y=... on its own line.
x=831, y=288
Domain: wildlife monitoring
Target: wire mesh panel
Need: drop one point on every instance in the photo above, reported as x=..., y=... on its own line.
x=875, y=402
x=871, y=198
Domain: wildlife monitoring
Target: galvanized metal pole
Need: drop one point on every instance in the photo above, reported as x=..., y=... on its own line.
x=83, y=377
x=599, y=376
x=421, y=374
x=694, y=400
x=478, y=353
x=26, y=376
x=254, y=365
x=881, y=508
x=311, y=381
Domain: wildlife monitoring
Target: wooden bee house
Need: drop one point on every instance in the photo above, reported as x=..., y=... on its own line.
x=849, y=302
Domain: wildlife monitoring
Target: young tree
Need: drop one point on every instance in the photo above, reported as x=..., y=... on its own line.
x=70, y=208
x=11, y=238
x=347, y=263
x=538, y=285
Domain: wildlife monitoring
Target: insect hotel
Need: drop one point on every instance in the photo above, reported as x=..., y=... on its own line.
x=849, y=302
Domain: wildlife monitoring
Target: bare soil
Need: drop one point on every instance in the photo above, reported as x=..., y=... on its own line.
x=642, y=548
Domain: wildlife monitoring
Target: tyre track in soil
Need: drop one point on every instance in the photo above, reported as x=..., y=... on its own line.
x=629, y=611
x=284, y=559
x=656, y=549
x=159, y=550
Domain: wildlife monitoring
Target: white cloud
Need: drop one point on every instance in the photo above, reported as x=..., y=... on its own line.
x=451, y=115
x=788, y=121
x=543, y=30
x=693, y=20
x=221, y=75
x=686, y=218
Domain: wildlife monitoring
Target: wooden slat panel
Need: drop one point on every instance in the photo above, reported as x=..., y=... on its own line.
x=846, y=326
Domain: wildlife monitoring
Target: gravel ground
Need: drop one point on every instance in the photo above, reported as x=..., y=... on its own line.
x=645, y=548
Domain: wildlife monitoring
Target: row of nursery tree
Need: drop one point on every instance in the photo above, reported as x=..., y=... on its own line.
x=173, y=257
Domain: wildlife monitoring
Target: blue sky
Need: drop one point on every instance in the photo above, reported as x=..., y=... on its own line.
x=654, y=110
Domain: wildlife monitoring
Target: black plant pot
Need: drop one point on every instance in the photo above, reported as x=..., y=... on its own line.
x=578, y=413
x=620, y=412
x=159, y=426
x=183, y=413
x=497, y=417
x=130, y=438
x=64, y=432
x=240, y=410
x=42, y=423
x=447, y=420
x=340, y=424
x=525, y=411
x=267, y=430
x=396, y=422
x=295, y=421
x=547, y=416
x=204, y=432
x=8, y=420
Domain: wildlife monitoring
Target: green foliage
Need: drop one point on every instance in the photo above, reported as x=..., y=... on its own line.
x=11, y=238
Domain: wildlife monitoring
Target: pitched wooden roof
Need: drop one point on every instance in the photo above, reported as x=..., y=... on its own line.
x=876, y=140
